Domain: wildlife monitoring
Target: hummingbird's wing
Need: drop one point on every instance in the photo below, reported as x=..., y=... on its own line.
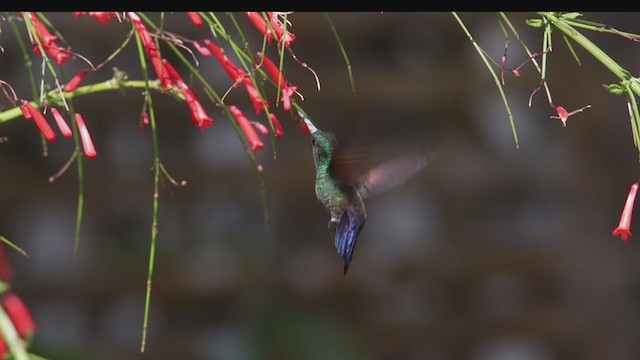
x=391, y=173
x=346, y=234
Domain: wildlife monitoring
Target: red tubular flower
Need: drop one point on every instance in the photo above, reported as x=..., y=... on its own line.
x=260, y=23
x=254, y=95
x=201, y=49
x=261, y=128
x=279, y=30
x=563, y=115
x=150, y=48
x=75, y=81
x=102, y=16
x=248, y=130
x=25, y=112
x=276, y=125
x=234, y=73
x=195, y=18
x=198, y=115
x=47, y=40
x=275, y=74
x=40, y=121
x=62, y=124
x=19, y=314
x=624, y=226
x=85, y=137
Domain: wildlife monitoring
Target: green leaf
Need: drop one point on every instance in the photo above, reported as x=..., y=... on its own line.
x=614, y=88
x=535, y=22
x=571, y=15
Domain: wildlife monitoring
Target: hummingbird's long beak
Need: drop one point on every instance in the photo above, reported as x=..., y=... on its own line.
x=312, y=128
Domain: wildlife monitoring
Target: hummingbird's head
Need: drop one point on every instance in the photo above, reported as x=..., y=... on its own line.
x=323, y=144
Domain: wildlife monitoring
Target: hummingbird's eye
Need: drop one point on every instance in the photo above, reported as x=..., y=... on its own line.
x=313, y=141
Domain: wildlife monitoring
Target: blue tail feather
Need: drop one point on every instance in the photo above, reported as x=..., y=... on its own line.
x=346, y=234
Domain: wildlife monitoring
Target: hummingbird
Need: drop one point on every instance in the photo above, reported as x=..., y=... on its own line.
x=342, y=191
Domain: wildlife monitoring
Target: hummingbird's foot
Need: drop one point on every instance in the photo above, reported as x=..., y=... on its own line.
x=333, y=224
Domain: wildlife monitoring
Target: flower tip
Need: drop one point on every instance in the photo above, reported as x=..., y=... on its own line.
x=623, y=233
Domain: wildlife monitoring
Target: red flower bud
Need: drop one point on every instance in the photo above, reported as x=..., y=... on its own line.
x=40, y=121
x=75, y=81
x=62, y=124
x=85, y=138
x=276, y=124
x=248, y=130
x=195, y=18
x=19, y=314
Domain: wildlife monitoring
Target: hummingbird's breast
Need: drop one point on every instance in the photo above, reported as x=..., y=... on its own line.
x=337, y=196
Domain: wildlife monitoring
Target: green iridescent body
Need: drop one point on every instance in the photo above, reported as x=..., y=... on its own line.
x=342, y=191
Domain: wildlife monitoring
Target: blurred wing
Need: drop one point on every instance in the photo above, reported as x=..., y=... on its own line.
x=346, y=235
x=391, y=174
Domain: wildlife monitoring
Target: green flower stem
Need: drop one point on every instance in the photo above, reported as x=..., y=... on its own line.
x=493, y=73
x=53, y=97
x=564, y=26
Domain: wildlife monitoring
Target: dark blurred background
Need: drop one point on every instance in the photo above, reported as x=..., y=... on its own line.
x=491, y=253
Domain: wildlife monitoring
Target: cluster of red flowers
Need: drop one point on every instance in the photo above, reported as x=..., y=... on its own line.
x=270, y=25
x=14, y=307
x=31, y=112
x=46, y=39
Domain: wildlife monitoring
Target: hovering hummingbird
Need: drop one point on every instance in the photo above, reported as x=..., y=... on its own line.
x=342, y=191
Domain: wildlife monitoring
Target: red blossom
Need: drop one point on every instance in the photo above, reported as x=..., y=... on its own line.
x=278, y=28
x=248, y=130
x=261, y=128
x=260, y=23
x=198, y=115
x=276, y=125
x=623, y=229
x=85, y=138
x=75, y=81
x=254, y=95
x=47, y=40
x=232, y=70
x=277, y=76
x=144, y=121
x=40, y=121
x=201, y=49
x=150, y=48
x=62, y=124
x=25, y=112
x=195, y=18
x=19, y=314
x=102, y=16
x=564, y=115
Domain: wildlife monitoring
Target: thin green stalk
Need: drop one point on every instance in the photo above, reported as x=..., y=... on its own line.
x=53, y=97
x=245, y=145
x=594, y=50
x=634, y=114
x=14, y=246
x=344, y=52
x=156, y=181
x=495, y=77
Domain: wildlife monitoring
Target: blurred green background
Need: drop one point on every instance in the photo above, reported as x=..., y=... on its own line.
x=491, y=253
